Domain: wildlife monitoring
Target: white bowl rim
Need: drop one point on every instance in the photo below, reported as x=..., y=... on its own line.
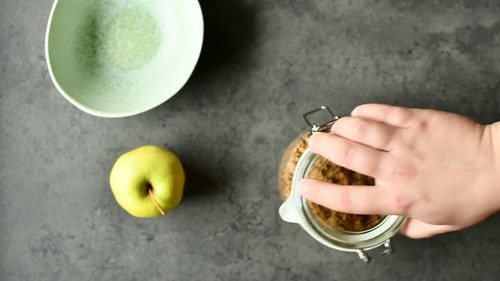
x=100, y=113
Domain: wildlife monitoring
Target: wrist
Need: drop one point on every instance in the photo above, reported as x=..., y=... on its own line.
x=492, y=136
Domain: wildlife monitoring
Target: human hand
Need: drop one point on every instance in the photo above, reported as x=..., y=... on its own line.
x=440, y=169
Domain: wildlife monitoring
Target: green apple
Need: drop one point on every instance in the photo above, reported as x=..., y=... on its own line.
x=147, y=181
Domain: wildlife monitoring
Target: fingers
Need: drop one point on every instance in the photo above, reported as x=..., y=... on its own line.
x=416, y=229
x=391, y=115
x=368, y=132
x=351, y=155
x=363, y=200
x=366, y=200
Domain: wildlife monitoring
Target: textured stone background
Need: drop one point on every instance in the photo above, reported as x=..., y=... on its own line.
x=263, y=63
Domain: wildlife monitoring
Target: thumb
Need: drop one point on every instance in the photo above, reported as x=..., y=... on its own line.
x=417, y=229
x=353, y=199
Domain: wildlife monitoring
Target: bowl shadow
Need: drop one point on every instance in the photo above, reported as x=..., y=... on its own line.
x=229, y=32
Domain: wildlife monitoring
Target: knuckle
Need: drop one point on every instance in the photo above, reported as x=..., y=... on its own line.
x=347, y=154
x=372, y=169
x=402, y=204
x=384, y=113
x=405, y=170
x=401, y=116
x=361, y=128
x=387, y=142
x=345, y=202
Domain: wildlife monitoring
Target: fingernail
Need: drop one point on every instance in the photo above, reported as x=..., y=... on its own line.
x=312, y=139
x=353, y=112
x=303, y=188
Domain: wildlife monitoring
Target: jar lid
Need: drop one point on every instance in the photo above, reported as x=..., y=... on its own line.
x=296, y=209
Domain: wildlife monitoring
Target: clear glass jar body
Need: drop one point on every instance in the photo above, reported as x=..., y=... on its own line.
x=324, y=170
x=289, y=162
x=341, y=231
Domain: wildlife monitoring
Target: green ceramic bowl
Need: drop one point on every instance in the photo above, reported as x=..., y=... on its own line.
x=117, y=58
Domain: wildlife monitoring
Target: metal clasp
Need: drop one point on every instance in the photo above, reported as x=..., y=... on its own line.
x=324, y=126
x=388, y=250
x=364, y=256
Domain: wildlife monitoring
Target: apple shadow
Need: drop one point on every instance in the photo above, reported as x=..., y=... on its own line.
x=199, y=182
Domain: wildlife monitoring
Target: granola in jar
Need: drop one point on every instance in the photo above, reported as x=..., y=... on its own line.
x=337, y=230
x=325, y=170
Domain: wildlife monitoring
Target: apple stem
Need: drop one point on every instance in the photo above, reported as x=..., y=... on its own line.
x=151, y=195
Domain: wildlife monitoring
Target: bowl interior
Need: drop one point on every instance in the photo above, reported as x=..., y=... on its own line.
x=116, y=58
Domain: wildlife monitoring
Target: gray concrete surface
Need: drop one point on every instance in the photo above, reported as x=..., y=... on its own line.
x=264, y=63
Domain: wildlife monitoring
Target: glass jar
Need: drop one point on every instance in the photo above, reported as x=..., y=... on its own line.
x=340, y=231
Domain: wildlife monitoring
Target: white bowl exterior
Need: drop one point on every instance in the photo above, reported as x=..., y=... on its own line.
x=130, y=92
